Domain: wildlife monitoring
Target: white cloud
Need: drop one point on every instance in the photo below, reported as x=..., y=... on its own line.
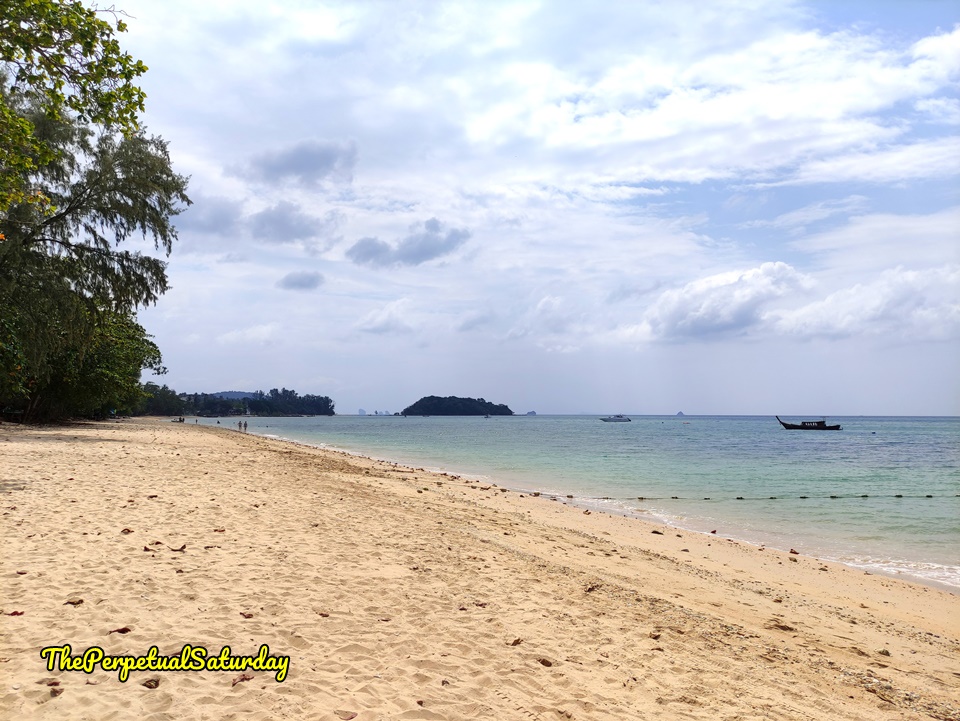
x=475, y=320
x=730, y=303
x=603, y=177
x=391, y=318
x=940, y=110
x=937, y=158
x=899, y=305
x=871, y=243
x=939, y=54
x=781, y=100
x=257, y=334
x=552, y=315
x=800, y=218
x=737, y=89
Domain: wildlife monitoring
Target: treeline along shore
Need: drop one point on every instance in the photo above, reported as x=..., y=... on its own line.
x=396, y=593
x=162, y=401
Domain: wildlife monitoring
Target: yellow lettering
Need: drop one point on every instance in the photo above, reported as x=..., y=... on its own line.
x=284, y=663
x=196, y=656
x=127, y=663
x=150, y=660
x=91, y=657
x=72, y=663
x=48, y=655
x=190, y=658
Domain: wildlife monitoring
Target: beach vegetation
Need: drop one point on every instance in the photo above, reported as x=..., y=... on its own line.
x=211, y=405
x=282, y=402
x=13, y=379
x=99, y=377
x=160, y=401
x=286, y=402
x=68, y=290
x=66, y=58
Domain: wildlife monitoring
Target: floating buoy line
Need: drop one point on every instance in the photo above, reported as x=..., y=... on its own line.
x=847, y=497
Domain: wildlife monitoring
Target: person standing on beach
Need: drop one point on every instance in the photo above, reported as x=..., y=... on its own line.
x=244, y=426
x=240, y=426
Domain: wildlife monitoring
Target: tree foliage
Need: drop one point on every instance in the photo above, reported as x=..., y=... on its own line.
x=67, y=290
x=282, y=402
x=99, y=376
x=160, y=401
x=285, y=402
x=105, y=189
x=13, y=378
x=66, y=57
x=455, y=406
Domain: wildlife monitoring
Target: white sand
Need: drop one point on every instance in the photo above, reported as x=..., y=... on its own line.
x=398, y=594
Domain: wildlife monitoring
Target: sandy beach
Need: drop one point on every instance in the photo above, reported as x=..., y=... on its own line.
x=395, y=593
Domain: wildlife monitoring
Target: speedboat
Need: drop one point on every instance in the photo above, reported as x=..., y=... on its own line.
x=619, y=418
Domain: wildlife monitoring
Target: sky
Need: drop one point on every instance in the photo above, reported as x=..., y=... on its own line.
x=745, y=207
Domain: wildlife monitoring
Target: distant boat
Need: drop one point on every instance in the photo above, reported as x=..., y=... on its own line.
x=619, y=418
x=810, y=426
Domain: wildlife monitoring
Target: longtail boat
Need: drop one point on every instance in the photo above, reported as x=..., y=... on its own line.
x=810, y=426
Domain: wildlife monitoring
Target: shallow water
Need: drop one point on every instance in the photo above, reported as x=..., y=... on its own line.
x=882, y=494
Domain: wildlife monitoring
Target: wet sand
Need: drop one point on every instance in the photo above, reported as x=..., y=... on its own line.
x=401, y=594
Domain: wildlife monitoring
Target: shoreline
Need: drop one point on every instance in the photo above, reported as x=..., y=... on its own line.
x=400, y=593
x=596, y=504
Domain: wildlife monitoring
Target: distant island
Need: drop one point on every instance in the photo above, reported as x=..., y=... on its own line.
x=237, y=395
x=454, y=406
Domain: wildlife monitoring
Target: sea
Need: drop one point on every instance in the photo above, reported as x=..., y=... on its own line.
x=883, y=494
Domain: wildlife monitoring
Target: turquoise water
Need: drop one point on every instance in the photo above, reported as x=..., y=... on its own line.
x=866, y=486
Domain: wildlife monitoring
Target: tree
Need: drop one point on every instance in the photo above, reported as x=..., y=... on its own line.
x=104, y=190
x=66, y=57
x=160, y=401
x=289, y=403
x=64, y=282
x=101, y=375
x=13, y=379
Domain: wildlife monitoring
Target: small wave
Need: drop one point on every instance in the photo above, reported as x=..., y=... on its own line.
x=931, y=573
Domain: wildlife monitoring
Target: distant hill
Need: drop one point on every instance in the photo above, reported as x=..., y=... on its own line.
x=454, y=406
x=234, y=395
